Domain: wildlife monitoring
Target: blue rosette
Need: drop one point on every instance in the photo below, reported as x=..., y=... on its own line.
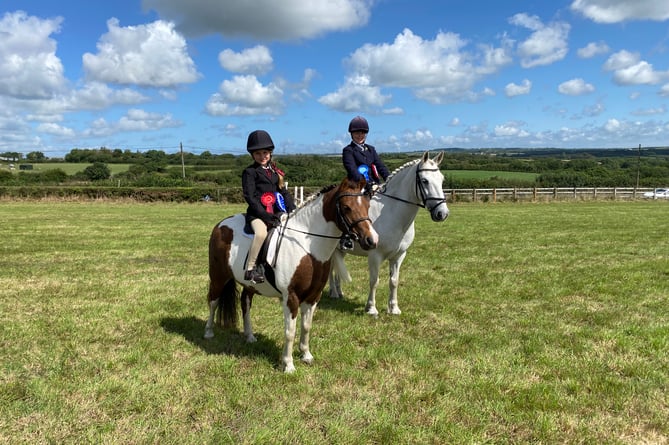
x=280, y=202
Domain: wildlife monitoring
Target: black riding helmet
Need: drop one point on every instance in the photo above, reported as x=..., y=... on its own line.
x=358, y=123
x=259, y=140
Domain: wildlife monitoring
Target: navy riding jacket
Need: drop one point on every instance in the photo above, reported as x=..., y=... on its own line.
x=257, y=180
x=353, y=157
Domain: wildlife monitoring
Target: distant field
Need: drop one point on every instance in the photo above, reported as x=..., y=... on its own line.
x=486, y=174
x=70, y=168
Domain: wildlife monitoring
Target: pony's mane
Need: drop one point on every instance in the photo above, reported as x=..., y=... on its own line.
x=313, y=196
x=402, y=167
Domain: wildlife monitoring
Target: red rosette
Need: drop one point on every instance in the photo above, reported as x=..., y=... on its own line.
x=268, y=199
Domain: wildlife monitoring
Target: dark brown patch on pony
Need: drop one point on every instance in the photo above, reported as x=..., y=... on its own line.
x=307, y=283
x=331, y=195
x=222, y=285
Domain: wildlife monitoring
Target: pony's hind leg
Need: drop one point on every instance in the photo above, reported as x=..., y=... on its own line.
x=393, y=283
x=247, y=301
x=209, y=327
x=307, y=316
x=290, y=324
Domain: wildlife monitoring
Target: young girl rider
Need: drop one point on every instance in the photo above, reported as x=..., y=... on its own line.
x=266, y=196
x=361, y=159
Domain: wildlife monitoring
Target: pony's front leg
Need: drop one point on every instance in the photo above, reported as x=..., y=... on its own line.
x=290, y=324
x=209, y=327
x=247, y=300
x=307, y=315
x=393, y=283
x=370, y=307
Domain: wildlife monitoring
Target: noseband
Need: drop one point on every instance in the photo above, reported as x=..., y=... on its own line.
x=420, y=192
x=349, y=236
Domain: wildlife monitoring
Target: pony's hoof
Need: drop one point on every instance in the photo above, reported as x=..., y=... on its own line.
x=208, y=334
x=394, y=310
x=251, y=338
x=371, y=310
x=307, y=359
x=335, y=295
x=289, y=369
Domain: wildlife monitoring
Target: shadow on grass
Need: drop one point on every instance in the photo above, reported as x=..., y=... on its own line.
x=225, y=341
x=344, y=305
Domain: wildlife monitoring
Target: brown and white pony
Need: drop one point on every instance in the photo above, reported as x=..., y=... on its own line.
x=309, y=236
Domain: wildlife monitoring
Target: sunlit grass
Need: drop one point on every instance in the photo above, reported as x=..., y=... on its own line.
x=522, y=323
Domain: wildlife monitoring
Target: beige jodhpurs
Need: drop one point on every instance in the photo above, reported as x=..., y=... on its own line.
x=260, y=231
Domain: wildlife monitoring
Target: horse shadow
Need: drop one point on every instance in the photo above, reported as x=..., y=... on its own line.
x=226, y=341
x=346, y=305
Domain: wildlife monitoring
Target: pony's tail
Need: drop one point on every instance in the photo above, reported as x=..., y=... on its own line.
x=228, y=304
x=339, y=267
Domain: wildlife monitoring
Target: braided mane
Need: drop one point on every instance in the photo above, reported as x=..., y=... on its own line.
x=313, y=196
x=402, y=167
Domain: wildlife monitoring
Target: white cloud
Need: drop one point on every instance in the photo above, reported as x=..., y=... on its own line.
x=256, y=60
x=355, y=95
x=512, y=89
x=152, y=55
x=593, y=49
x=245, y=95
x=134, y=120
x=615, y=11
x=264, y=19
x=664, y=91
x=547, y=43
x=55, y=130
x=511, y=129
x=628, y=69
x=575, y=87
x=29, y=68
x=436, y=70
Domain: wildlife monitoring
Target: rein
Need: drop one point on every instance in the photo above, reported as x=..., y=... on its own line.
x=348, y=225
x=419, y=188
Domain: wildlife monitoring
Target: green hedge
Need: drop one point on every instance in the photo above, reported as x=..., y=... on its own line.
x=142, y=194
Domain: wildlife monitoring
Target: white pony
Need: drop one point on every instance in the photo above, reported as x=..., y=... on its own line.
x=418, y=183
x=301, y=266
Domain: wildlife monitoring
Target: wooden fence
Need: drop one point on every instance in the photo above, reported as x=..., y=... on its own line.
x=545, y=193
x=513, y=194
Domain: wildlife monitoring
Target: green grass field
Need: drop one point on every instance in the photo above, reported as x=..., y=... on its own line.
x=522, y=323
x=487, y=174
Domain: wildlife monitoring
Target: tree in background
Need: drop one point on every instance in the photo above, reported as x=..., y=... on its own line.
x=98, y=171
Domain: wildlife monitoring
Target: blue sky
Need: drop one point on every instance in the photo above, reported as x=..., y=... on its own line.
x=151, y=74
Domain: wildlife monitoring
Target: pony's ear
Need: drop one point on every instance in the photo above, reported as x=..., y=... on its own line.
x=426, y=156
x=439, y=157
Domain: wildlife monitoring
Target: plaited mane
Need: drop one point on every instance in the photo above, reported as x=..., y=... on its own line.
x=313, y=196
x=402, y=167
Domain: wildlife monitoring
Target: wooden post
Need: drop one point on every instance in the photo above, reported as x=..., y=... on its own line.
x=183, y=167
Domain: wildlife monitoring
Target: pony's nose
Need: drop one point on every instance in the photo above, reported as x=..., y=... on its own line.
x=368, y=243
x=440, y=214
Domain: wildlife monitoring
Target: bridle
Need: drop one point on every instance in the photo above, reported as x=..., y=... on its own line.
x=420, y=192
x=348, y=236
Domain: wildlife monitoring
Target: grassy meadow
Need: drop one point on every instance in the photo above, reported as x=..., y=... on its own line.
x=522, y=323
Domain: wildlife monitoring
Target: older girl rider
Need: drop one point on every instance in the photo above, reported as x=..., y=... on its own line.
x=361, y=159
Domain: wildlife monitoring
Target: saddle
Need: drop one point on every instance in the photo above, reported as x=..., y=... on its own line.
x=270, y=247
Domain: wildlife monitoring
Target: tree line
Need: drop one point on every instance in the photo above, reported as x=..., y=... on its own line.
x=647, y=167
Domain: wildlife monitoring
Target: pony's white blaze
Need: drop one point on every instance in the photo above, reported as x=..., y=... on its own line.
x=302, y=263
x=418, y=183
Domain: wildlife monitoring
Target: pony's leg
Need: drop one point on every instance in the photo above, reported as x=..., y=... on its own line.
x=335, y=285
x=209, y=327
x=393, y=283
x=307, y=315
x=247, y=300
x=373, y=265
x=290, y=325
